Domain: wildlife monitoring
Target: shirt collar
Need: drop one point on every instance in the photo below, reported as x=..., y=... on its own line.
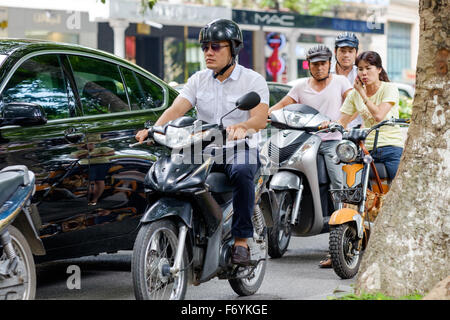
x=234, y=74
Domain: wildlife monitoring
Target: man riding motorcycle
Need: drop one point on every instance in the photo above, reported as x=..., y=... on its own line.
x=213, y=92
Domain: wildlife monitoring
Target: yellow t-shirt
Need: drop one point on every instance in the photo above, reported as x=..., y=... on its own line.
x=389, y=135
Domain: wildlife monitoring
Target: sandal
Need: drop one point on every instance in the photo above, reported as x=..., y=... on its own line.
x=325, y=263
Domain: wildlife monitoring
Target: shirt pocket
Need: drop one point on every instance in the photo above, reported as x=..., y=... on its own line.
x=205, y=106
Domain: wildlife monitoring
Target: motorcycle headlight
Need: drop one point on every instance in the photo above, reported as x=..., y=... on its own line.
x=346, y=151
x=179, y=137
x=297, y=119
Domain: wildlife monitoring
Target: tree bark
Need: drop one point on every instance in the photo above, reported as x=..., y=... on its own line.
x=408, y=251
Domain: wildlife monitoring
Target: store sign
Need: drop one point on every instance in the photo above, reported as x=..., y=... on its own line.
x=281, y=19
x=167, y=13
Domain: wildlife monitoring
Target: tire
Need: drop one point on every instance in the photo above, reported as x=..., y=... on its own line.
x=344, y=259
x=280, y=234
x=158, y=286
x=26, y=268
x=251, y=284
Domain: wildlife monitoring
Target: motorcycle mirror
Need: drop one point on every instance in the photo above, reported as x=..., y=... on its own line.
x=248, y=101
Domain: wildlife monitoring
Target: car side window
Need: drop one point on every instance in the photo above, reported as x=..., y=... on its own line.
x=142, y=92
x=99, y=85
x=277, y=93
x=404, y=93
x=41, y=80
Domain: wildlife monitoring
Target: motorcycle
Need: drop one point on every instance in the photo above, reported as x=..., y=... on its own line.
x=364, y=185
x=18, y=235
x=185, y=233
x=301, y=183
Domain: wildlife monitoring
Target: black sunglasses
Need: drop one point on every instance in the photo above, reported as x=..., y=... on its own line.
x=214, y=46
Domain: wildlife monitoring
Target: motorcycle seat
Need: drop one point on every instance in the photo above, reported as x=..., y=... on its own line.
x=218, y=182
x=9, y=182
x=381, y=169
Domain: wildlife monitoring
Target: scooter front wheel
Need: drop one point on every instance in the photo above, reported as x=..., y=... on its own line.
x=345, y=257
x=24, y=279
x=153, y=254
x=280, y=233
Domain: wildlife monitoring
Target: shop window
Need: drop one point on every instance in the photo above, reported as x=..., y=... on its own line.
x=195, y=60
x=99, y=85
x=173, y=60
x=41, y=80
x=142, y=92
x=399, y=50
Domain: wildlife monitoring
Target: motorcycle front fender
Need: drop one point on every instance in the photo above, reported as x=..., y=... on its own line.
x=285, y=180
x=166, y=207
x=345, y=215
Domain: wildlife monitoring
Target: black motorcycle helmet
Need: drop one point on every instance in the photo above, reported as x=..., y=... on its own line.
x=223, y=30
x=319, y=53
x=346, y=39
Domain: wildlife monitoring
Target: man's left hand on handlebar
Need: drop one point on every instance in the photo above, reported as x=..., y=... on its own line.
x=142, y=135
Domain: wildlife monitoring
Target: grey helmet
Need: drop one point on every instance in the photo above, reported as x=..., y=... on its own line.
x=346, y=39
x=223, y=30
x=319, y=53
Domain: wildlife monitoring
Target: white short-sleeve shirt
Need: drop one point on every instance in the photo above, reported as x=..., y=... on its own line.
x=212, y=98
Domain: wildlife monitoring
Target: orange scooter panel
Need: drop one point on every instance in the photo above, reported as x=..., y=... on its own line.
x=351, y=170
x=342, y=216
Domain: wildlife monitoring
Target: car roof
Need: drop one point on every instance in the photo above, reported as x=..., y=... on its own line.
x=21, y=47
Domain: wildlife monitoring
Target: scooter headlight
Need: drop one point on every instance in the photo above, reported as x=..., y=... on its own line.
x=346, y=151
x=180, y=137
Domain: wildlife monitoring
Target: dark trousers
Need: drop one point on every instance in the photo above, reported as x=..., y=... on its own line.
x=390, y=157
x=241, y=168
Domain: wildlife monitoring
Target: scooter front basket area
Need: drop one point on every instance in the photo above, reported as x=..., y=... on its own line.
x=349, y=195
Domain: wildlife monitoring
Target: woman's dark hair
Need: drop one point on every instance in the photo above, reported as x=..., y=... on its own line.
x=374, y=59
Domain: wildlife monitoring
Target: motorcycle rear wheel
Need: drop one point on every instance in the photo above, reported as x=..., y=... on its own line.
x=26, y=270
x=155, y=249
x=344, y=258
x=281, y=232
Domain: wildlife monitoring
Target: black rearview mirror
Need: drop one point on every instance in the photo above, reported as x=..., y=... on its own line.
x=23, y=114
x=248, y=101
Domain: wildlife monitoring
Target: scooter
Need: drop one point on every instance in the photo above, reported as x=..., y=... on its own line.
x=301, y=184
x=364, y=185
x=18, y=235
x=185, y=233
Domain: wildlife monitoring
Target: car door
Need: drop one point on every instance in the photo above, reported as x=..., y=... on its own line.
x=114, y=109
x=61, y=187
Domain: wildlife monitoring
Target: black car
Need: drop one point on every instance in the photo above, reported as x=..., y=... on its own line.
x=69, y=114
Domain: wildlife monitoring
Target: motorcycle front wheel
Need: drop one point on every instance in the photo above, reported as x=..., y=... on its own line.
x=280, y=233
x=345, y=257
x=154, y=251
x=250, y=284
x=25, y=277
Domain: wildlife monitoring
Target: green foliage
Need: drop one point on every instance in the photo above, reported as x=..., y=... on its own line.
x=144, y=4
x=405, y=107
x=376, y=296
x=311, y=7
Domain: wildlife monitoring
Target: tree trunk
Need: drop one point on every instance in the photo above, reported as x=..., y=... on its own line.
x=408, y=251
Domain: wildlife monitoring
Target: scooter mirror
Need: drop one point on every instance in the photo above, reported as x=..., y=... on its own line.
x=248, y=101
